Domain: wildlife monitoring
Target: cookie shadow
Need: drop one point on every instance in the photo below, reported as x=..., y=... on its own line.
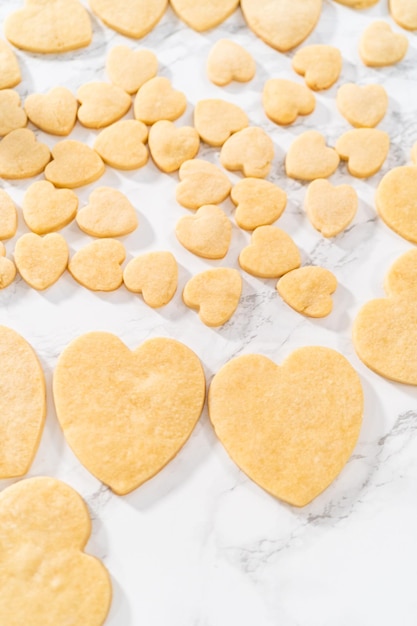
x=120, y=612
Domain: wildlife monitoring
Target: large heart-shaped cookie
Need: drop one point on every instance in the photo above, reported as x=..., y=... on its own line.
x=74, y=164
x=404, y=13
x=380, y=46
x=271, y=254
x=207, y=233
x=201, y=183
x=283, y=100
x=154, y=275
x=320, y=65
x=258, y=202
x=170, y=147
x=309, y=158
x=21, y=155
x=107, y=214
x=126, y=413
x=365, y=150
x=133, y=18
x=308, y=290
x=10, y=71
x=228, y=61
x=157, y=100
x=46, y=209
x=362, y=106
x=54, y=112
x=122, y=145
x=215, y=294
x=12, y=116
x=7, y=269
x=97, y=265
x=41, y=260
x=204, y=14
x=290, y=428
x=8, y=216
x=130, y=69
x=330, y=209
x=215, y=120
x=250, y=150
x=396, y=201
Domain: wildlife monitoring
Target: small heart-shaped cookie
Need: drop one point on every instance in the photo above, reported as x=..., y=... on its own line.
x=215, y=294
x=401, y=278
x=157, y=100
x=308, y=290
x=249, y=150
x=46, y=209
x=330, y=209
x=97, y=266
x=8, y=216
x=201, y=183
x=130, y=69
x=21, y=155
x=22, y=405
x=107, y=214
x=7, y=271
x=319, y=64
x=271, y=254
x=125, y=413
x=228, y=61
x=283, y=100
x=207, y=233
x=290, y=428
x=380, y=46
x=41, y=260
x=258, y=202
x=101, y=104
x=154, y=275
x=363, y=107
x=54, y=112
x=204, y=14
x=170, y=147
x=12, y=115
x=309, y=158
x=365, y=150
x=10, y=71
x=133, y=18
x=122, y=145
x=404, y=13
x=215, y=120
x=49, y=26
x=396, y=201
x=74, y=164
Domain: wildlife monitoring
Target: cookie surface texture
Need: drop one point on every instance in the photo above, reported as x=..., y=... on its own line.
x=12, y=116
x=330, y=208
x=363, y=107
x=258, y=202
x=41, y=261
x=108, y=213
x=365, y=150
x=154, y=275
x=228, y=61
x=249, y=150
x=97, y=266
x=54, y=112
x=7, y=269
x=130, y=69
x=158, y=100
x=404, y=13
x=122, y=145
x=215, y=120
x=207, y=233
x=21, y=155
x=46, y=209
x=101, y=104
x=133, y=18
x=201, y=183
x=170, y=146
x=396, y=201
x=9, y=67
x=319, y=64
x=380, y=46
x=74, y=165
x=309, y=158
x=284, y=100
x=271, y=253
x=8, y=216
x=308, y=290
x=204, y=14
x=215, y=294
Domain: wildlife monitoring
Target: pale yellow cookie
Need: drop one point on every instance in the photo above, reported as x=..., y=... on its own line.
x=101, y=104
x=22, y=412
x=290, y=428
x=414, y=153
x=404, y=13
x=215, y=120
x=258, y=202
x=249, y=150
x=74, y=165
x=133, y=18
x=283, y=100
x=282, y=24
x=9, y=67
x=170, y=147
x=396, y=201
x=320, y=65
x=308, y=290
x=363, y=107
x=21, y=155
x=380, y=46
x=8, y=216
x=309, y=158
x=207, y=233
x=201, y=183
x=12, y=116
x=125, y=432
x=358, y=4
x=122, y=145
x=130, y=69
x=157, y=100
x=46, y=209
x=54, y=112
x=401, y=278
x=97, y=266
x=204, y=14
x=7, y=275
x=330, y=209
x=45, y=576
x=107, y=214
x=215, y=294
x=365, y=150
x=48, y=26
x=41, y=260
x=154, y=275
x=228, y=61
x=271, y=253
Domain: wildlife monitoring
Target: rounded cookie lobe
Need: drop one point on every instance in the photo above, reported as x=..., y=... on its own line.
x=202, y=15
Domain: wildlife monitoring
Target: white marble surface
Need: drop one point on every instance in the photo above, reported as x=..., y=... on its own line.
x=200, y=544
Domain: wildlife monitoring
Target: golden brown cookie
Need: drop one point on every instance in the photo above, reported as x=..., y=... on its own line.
x=249, y=150
x=362, y=106
x=170, y=147
x=133, y=18
x=7, y=272
x=396, y=201
x=41, y=260
x=157, y=100
x=283, y=100
x=122, y=145
x=130, y=69
x=12, y=116
x=46, y=209
x=97, y=266
x=215, y=294
x=207, y=233
x=54, y=112
x=154, y=275
x=8, y=216
x=204, y=14
x=258, y=203
x=330, y=209
x=215, y=120
x=308, y=290
x=380, y=46
x=21, y=155
x=101, y=104
x=228, y=61
x=107, y=214
x=365, y=150
x=309, y=158
x=201, y=183
x=74, y=164
x=9, y=67
x=271, y=253
x=320, y=65
x=404, y=13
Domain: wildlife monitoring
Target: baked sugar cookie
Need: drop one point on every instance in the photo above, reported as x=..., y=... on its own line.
x=380, y=46
x=258, y=202
x=9, y=67
x=330, y=209
x=130, y=69
x=283, y=100
x=8, y=216
x=97, y=266
x=404, y=13
x=249, y=150
x=170, y=147
x=308, y=290
x=101, y=104
x=271, y=253
x=228, y=61
x=207, y=233
x=21, y=155
x=154, y=275
x=12, y=116
x=365, y=150
x=363, y=107
x=215, y=294
x=215, y=120
x=7, y=271
x=54, y=112
x=122, y=145
x=396, y=201
x=74, y=165
x=107, y=214
x=309, y=158
x=201, y=183
x=41, y=261
x=401, y=278
x=133, y=18
x=319, y=64
x=157, y=100
x=46, y=209
x=204, y=14
x=358, y=4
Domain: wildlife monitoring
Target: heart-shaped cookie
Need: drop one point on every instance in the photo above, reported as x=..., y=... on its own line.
x=97, y=265
x=10, y=70
x=46, y=209
x=49, y=26
x=22, y=404
x=249, y=150
x=309, y=158
x=41, y=260
x=101, y=104
x=201, y=183
x=133, y=18
x=130, y=69
x=215, y=120
x=319, y=64
x=228, y=61
x=21, y=155
x=401, y=278
x=207, y=233
x=290, y=428
x=365, y=150
x=54, y=112
x=258, y=202
x=170, y=147
x=271, y=254
x=126, y=413
x=380, y=46
x=157, y=100
x=330, y=209
x=154, y=275
x=107, y=214
x=282, y=24
x=12, y=115
x=283, y=100
x=363, y=106
x=8, y=216
x=122, y=145
x=44, y=572
x=215, y=294
x=74, y=164
x=308, y=290
x=204, y=14
x=396, y=201
x=404, y=13
x=7, y=269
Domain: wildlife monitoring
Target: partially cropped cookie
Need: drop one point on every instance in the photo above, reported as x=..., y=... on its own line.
x=284, y=100
x=215, y=120
x=319, y=64
x=7, y=275
x=12, y=116
x=204, y=14
x=54, y=112
x=21, y=155
x=396, y=201
x=363, y=106
x=250, y=151
x=8, y=216
x=130, y=69
x=9, y=67
x=132, y=18
x=404, y=13
x=380, y=46
x=228, y=61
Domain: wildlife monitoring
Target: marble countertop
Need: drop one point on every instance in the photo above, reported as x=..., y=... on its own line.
x=200, y=544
